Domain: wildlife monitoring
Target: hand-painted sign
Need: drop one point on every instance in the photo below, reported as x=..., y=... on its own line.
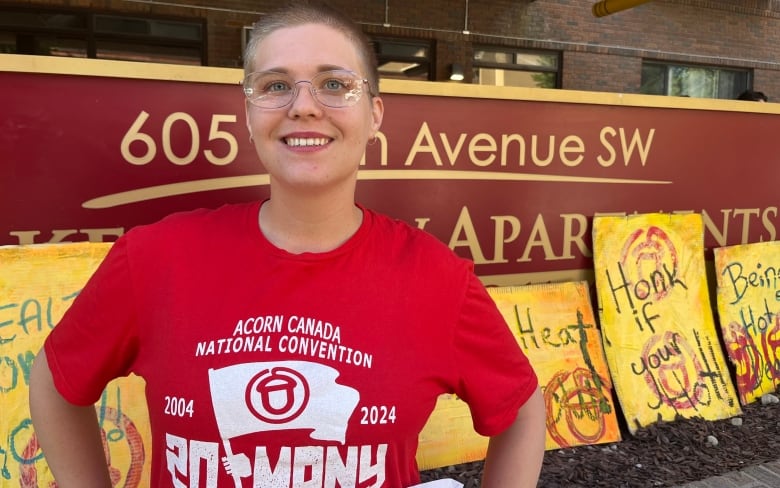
x=748, y=279
x=555, y=326
x=37, y=284
x=659, y=333
x=508, y=177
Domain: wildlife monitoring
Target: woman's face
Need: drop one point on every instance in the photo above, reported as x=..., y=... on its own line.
x=306, y=145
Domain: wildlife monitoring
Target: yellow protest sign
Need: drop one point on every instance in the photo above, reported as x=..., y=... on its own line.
x=658, y=328
x=37, y=285
x=748, y=297
x=555, y=326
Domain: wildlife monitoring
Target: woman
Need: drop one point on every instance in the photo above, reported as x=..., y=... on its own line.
x=307, y=336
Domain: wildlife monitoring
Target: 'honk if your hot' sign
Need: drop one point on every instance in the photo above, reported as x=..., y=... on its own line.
x=657, y=325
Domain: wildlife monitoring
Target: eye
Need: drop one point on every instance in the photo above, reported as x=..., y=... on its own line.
x=335, y=84
x=276, y=86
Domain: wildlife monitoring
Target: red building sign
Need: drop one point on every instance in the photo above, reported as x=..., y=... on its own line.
x=510, y=178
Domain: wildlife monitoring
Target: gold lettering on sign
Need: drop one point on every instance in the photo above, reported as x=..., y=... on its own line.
x=25, y=237
x=619, y=145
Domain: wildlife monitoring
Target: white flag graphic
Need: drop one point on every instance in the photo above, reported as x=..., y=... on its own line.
x=281, y=395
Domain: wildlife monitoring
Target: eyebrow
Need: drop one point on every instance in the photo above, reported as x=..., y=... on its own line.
x=320, y=68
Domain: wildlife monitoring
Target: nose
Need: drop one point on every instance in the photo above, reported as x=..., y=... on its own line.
x=304, y=102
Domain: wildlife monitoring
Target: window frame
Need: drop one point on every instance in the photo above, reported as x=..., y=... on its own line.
x=515, y=53
x=427, y=61
x=668, y=81
x=88, y=34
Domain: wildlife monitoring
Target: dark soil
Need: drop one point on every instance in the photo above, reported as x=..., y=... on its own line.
x=664, y=454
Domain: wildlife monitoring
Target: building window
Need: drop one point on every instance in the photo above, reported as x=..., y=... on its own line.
x=693, y=80
x=516, y=67
x=85, y=34
x=404, y=59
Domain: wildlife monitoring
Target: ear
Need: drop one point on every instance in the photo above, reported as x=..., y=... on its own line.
x=377, y=113
x=246, y=115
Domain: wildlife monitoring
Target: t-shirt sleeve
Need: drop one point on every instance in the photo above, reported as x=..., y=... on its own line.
x=496, y=377
x=96, y=340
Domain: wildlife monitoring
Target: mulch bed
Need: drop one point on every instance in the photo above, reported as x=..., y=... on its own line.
x=663, y=454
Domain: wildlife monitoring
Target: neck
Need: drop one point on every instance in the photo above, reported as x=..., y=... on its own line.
x=311, y=225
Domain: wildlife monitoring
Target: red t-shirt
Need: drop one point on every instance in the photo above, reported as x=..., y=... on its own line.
x=315, y=369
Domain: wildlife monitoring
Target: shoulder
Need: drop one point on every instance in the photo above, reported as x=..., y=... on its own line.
x=198, y=223
x=404, y=232
x=412, y=245
x=189, y=234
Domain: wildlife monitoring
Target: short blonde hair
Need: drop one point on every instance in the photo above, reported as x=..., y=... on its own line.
x=300, y=13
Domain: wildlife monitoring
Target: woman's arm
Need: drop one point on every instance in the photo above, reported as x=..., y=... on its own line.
x=68, y=434
x=514, y=457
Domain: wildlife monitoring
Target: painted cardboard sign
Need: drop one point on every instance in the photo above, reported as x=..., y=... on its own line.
x=748, y=297
x=555, y=326
x=514, y=193
x=37, y=284
x=658, y=328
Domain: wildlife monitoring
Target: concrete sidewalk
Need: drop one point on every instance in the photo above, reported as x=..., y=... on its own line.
x=761, y=476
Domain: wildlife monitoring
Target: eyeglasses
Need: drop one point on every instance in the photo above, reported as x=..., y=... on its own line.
x=336, y=89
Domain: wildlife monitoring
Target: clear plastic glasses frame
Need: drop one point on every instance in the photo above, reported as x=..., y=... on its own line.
x=271, y=89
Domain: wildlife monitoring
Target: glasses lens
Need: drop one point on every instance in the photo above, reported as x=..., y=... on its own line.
x=269, y=89
x=337, y=88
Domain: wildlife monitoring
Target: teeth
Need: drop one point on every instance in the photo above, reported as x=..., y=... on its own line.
x=309, y=141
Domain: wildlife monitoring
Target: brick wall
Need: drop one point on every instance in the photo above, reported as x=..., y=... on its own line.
x=600, y=54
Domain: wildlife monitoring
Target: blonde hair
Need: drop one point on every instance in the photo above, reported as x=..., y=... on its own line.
x=300, y=13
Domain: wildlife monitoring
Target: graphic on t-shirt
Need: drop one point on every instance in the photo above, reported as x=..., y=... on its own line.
x=281, y=395
x=308, y=336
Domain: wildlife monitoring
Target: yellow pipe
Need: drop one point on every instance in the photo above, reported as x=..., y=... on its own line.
x=606, y=7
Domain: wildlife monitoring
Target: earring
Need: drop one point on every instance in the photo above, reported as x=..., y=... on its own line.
x=372, y=141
